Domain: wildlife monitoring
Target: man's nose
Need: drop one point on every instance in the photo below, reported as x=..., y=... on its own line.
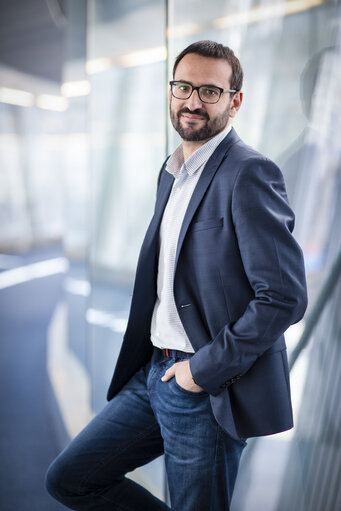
x=194, y=102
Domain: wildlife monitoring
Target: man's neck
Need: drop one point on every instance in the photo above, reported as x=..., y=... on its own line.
x=190, y=147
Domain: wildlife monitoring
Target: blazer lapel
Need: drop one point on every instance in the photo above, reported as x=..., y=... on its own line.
x=165, y=187
x=203, y=183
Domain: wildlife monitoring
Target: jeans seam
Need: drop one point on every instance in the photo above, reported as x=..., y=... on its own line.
x=215, y=464
x=151, y=387
x=113, y=456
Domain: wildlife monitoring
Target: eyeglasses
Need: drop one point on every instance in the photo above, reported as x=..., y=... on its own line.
x=206, y=93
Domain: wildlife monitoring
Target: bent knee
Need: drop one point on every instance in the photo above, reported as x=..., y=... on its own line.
x=58, y=481
x=66, y=482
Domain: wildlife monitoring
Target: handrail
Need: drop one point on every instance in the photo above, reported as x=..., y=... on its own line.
x=322, y=299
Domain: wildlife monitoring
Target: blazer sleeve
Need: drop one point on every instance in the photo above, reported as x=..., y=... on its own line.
x=273, y=264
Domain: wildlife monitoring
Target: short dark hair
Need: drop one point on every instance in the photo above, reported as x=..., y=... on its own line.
x=215, y=51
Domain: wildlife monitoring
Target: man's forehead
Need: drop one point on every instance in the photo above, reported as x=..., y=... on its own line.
x=198, y=69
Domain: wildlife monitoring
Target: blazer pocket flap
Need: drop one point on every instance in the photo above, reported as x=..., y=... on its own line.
x=207, y=224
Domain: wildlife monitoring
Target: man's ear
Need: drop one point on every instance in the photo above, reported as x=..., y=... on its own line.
x=236, y=103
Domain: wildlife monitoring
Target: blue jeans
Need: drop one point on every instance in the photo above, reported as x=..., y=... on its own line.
x=146, y=419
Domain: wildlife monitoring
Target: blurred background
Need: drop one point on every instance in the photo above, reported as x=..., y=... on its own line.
x=83, y=133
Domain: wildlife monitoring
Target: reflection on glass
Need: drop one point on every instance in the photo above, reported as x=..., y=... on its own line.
x=284, y=46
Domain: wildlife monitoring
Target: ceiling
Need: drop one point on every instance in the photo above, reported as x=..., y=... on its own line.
x=32, y=36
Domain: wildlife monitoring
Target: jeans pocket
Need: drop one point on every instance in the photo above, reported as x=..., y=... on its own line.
x=185, y=391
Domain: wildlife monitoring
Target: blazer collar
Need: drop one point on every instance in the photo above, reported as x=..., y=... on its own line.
x=165, y=187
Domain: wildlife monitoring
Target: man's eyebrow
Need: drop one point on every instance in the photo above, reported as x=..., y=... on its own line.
x=211, y=85
x=201, y=85
x=183, y=81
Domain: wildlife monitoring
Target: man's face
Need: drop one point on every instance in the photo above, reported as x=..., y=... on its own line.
x=193, y=119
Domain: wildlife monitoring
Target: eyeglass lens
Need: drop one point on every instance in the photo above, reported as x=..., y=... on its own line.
x=182, y=90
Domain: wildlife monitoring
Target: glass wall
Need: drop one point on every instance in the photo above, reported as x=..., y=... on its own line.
x=291, y=112
x=31, y=151
x=290, y=52
x=127, y=118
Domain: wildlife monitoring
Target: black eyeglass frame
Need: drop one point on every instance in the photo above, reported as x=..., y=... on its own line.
x=221, y=91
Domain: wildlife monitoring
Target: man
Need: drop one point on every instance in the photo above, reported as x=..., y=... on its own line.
x=203, y=364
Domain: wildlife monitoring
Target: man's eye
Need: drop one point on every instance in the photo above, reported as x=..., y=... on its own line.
x=209, y=92
x=183, y=87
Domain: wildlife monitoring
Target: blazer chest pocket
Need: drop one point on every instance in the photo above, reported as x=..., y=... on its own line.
x=210, y=223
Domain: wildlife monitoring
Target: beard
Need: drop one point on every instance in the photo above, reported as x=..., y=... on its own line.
x=211, y=127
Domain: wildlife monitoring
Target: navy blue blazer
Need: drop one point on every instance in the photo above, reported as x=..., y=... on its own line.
x=242, y=272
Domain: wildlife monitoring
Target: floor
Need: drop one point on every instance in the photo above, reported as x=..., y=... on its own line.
x=27, y=437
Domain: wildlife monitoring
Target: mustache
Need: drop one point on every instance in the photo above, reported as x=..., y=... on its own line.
x=198, y=111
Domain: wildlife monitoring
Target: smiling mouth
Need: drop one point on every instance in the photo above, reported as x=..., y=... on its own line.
x=192, y=117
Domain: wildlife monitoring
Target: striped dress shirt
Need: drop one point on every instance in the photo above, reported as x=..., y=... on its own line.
x=166, y=327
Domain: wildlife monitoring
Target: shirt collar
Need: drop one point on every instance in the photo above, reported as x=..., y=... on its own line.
x=176, y=162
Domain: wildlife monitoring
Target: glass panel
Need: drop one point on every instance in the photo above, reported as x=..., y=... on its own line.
x=31, y=149
x=291, y=113
x=126, y=63
x=127, y=124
